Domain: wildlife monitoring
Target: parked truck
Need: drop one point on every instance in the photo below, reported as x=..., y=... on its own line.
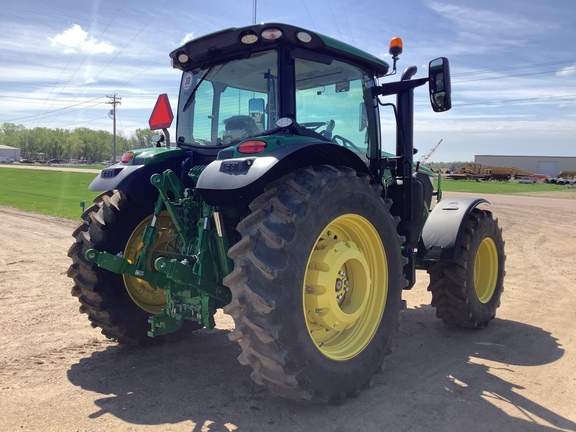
x=504, y=173
x=278, y=204
x=468, y=171
x=476, y=171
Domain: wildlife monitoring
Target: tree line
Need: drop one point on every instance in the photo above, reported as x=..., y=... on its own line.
x=89, y=145
x=80, y=144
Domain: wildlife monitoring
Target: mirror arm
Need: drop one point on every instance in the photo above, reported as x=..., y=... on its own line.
x=398, y=87
x=167, y=135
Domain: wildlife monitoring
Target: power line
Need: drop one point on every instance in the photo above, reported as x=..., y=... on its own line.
x=114, y=100
x=126, y=45
x=66, y=67
x=309, y=16
x=509, y=68
x=510, y=76
x=347, y=22
x=505, y=101
x=335, y=21
x=60, y=109
x=140, y=31
x=88, y=53
x=462, y=74
x=10, y=97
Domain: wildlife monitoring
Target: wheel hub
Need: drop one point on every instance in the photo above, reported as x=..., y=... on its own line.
x=345, y=287
x=331, y=303
x=146, y=295
x=486, y=270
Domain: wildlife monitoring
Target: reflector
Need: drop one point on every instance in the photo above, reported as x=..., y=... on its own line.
x=161, y=117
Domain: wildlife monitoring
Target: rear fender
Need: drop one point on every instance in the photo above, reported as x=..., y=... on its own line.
x=240, y=180
x=134, y=180
x=444, y=228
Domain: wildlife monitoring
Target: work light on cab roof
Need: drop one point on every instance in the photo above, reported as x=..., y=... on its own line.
x=272, y=34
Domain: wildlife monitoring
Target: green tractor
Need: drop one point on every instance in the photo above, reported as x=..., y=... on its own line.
x=278, y=204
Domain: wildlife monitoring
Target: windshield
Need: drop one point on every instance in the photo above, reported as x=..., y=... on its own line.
x=222, y=105
x=330, y=100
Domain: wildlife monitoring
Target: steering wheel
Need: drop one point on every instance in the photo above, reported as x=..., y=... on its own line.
x=314, y=126
x=347, y=143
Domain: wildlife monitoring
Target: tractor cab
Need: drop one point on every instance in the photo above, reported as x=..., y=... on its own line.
x=241, y=90
x=280, y=85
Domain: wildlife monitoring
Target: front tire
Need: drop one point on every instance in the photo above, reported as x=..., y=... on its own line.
x=317, y=284
x=466, y=293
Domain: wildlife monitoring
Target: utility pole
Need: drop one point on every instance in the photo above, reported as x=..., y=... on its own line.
x=114, y=100
x=253, y=11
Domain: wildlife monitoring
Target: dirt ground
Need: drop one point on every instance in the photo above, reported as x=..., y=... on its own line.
x=518, y=374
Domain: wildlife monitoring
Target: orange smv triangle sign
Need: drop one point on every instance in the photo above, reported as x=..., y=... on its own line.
x=161, y=117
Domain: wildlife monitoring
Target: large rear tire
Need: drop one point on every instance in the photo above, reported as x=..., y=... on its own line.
x=317, y=284
x=118, y=305
x=467, y=292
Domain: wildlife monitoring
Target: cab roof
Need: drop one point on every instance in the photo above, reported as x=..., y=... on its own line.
x=240, y=42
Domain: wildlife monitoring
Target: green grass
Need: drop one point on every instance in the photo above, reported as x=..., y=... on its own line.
x=59, y=193
x=495, y=187
x=56, y=193
x=98, y=167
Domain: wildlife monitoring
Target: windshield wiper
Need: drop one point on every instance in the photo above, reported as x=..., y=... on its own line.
x=193, y=94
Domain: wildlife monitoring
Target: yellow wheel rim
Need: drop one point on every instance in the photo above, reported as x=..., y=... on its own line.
x=486, y=270
x=146, y=295
x=345, y=287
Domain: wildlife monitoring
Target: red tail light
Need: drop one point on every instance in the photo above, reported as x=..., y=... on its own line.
x=251, y=147
x=127, y=157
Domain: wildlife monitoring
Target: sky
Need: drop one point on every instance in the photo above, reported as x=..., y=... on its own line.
x=513, y=62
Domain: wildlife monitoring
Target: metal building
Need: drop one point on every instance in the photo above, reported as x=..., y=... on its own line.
x=9, y=154
x=549, y=165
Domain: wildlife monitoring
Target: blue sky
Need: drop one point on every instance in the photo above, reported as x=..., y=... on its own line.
x=513, y=62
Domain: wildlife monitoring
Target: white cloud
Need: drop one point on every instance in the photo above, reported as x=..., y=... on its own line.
x=187, y=38
x=76, y=39
x=490, y=27
x=567, y=71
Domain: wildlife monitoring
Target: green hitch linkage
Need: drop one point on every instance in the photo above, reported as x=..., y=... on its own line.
x=183, y=274
x=165, y=183
x=117, y=264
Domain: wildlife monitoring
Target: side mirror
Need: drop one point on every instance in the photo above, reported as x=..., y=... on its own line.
x=256, y=108
x=363, y=117
x=158, y=139
x=439, y=84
